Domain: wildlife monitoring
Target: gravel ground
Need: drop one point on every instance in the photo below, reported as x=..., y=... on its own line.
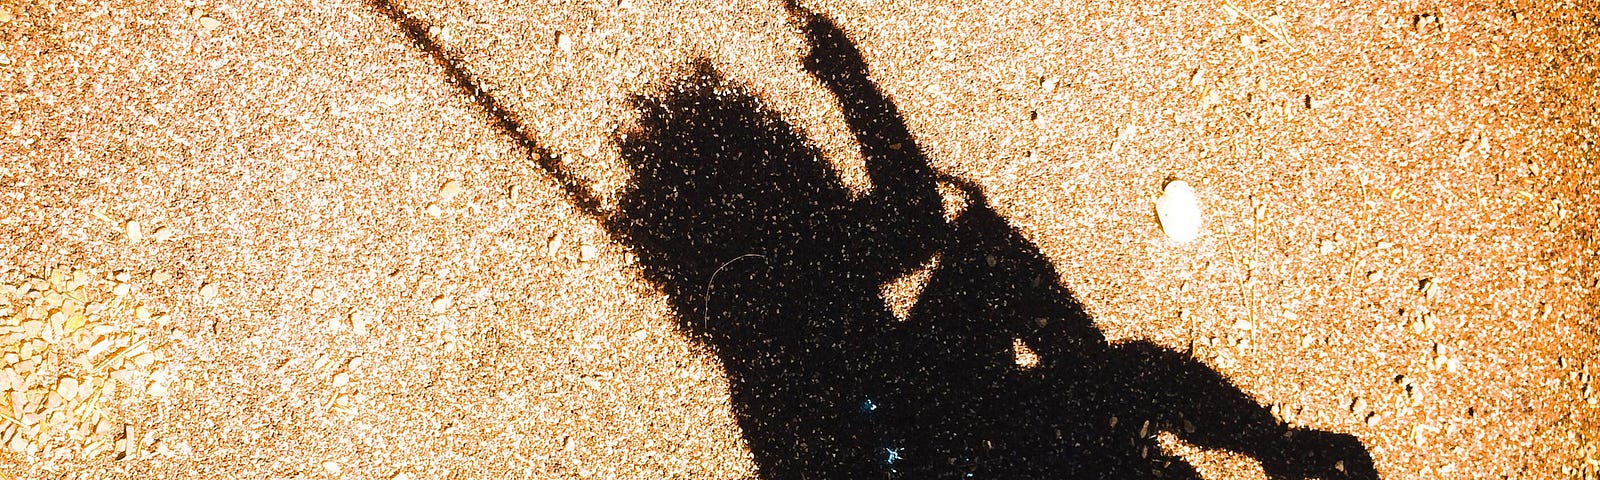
x=354, y=271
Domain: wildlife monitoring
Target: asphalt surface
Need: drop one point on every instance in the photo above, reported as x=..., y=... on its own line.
x=501, y=239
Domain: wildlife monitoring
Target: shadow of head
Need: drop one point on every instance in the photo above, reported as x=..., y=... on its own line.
x=716, y=177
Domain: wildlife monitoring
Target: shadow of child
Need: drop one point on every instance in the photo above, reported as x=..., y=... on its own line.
x=771, y=263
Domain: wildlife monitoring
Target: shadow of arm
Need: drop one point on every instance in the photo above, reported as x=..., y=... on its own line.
x=904, y=206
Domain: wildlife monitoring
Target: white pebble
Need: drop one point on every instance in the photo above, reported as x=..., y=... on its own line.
x=1179, y=211
x=133, y=230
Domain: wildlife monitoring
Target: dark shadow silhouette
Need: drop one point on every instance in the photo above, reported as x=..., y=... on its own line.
x=773, y=266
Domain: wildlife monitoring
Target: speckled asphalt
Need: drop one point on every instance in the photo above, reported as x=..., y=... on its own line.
x=1399, y=242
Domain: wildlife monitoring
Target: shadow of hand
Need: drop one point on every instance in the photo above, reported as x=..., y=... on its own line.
x=833, y=57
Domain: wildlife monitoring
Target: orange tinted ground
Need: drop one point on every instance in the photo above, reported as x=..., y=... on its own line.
x=1344, y=153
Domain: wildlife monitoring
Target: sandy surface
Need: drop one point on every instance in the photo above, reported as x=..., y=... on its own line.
x=1399, y=241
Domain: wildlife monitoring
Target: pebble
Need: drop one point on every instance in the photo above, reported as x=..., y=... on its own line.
x=208, y=291
x=209, y=23
x=440, y=304
x=67, y=387
x=1426, y=287
x=587, y=253
x=133, y=231
x=161, y=234
x=554, y=247
x=564, y=41
x=359, y=322
x=1179, y=211
x=450, y=190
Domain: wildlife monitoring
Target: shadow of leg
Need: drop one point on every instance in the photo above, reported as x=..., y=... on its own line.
x=1181, y=395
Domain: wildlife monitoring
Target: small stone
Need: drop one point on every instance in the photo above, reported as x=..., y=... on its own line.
x=564, y=41
x=587, y=253
x=553, y=248
x=360, y=322
x=209, y=23
x=5, y=15
x=134, y=232
x=341, y=379
x=120, y=290
x=1243, y=324
x=161, y=234
x=67, y=387
x=332, y=468
x=1179, y=211
x=401, y=476
x=160, y=276
x=336, y=325
x=434, y=211
x=1358, y=405
x=440, y=304
x=208, y=291
x=450, y=190
x=1326, y=247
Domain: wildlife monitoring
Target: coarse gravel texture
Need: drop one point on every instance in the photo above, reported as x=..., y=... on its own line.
x=1399, y=241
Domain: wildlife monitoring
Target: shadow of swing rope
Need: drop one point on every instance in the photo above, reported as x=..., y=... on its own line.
x=771, y=264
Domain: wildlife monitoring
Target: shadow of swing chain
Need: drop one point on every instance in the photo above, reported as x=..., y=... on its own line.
x=504, y=120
